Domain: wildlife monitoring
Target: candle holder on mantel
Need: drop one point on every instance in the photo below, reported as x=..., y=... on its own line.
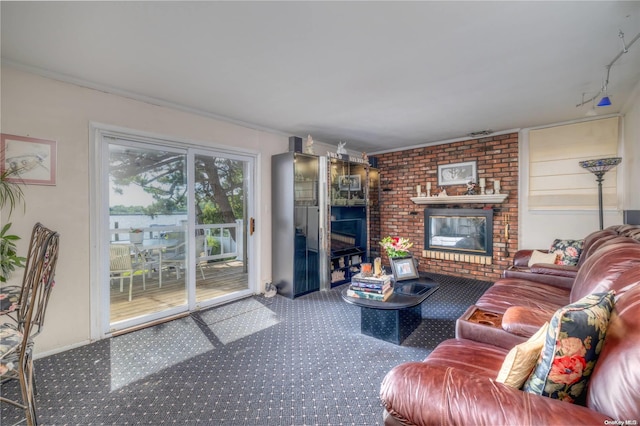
x=599, y=168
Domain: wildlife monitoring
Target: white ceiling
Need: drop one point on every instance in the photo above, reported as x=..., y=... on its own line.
x=378, y=75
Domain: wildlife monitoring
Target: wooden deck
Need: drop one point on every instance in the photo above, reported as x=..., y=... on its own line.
x=220, y=278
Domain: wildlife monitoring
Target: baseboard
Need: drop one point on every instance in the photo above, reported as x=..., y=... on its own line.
x=60, y=349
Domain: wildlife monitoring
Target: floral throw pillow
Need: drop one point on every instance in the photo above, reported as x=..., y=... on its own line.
x=567, y=251
x=573, y=342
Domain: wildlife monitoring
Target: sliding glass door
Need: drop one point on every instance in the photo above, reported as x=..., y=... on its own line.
x=148, y=199
x=177, y=237
x=220, y=207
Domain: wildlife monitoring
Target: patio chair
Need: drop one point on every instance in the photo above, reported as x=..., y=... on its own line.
x=121, y=265
x=16, y=340
x=146, y=260
x=176, y=257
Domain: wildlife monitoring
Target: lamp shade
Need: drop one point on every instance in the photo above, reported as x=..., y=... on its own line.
x=600, y=166
x=605, y=101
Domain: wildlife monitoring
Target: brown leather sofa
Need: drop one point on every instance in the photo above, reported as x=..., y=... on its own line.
x=456, y=383
x=525, y=305
x=564, y=275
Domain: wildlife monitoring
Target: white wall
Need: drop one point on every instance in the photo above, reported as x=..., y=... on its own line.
x=631, y=150
x=48, y=109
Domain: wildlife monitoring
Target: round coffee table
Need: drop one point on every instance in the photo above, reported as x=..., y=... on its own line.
x=395, y=319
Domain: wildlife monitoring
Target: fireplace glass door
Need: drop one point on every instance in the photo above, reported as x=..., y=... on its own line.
x=459, y=230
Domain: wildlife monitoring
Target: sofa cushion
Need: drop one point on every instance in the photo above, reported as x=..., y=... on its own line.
x=508, y=292
x=521, y=359
x=481, y=359
x=573, y=342
x=540, y=257
x=567, y=251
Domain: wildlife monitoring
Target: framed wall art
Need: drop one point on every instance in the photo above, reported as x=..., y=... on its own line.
x=457, y=173
x=31, y=161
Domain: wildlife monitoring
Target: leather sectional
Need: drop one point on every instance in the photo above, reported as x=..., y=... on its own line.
x=456, y=383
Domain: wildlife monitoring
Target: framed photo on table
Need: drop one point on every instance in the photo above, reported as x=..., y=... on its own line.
x=31, y=161
x=404, y=268
x=457, y=173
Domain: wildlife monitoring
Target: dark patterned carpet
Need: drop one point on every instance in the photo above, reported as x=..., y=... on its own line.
x=257, y=361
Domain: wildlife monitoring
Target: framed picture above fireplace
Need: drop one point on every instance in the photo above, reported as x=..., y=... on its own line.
x=457, y=173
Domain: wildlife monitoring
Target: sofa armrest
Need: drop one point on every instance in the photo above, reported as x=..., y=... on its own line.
x=417, y=393
x=479, y=330
x=521, y=257
x=524, y=321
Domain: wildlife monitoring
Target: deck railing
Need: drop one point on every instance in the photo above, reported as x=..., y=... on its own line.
x=215, y=241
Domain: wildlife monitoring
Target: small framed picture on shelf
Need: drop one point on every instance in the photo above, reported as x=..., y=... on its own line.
x=457, y=173
x=349, y=183
x=404, y=268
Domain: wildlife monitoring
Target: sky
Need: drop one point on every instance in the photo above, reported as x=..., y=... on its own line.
x=132, y=195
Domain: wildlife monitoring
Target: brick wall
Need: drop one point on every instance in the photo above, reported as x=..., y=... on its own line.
x=402, y=171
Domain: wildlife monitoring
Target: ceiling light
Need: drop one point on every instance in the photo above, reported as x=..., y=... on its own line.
x=605, y=101
x=479, y=133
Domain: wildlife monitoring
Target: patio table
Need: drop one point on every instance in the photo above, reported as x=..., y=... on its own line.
x=158, y=244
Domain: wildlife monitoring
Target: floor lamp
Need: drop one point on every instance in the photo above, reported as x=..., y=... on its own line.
x=599, y=168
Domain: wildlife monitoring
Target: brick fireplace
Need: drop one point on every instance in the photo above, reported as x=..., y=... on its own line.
x=402, y=171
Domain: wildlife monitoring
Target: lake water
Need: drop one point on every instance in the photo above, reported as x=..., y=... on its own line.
x=127, y=221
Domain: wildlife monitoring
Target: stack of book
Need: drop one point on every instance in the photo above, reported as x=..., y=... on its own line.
x=372, y=288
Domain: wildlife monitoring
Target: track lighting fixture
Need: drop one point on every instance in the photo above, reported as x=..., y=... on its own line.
x=605, y=101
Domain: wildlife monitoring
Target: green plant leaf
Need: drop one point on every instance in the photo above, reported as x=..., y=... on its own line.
x=9, y=260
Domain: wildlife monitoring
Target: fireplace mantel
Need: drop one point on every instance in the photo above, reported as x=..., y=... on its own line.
x=461, y=199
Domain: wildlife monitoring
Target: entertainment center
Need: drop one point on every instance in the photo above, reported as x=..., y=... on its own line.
x=320, y=219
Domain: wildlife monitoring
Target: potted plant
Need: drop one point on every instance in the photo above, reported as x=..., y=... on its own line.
x=136, y=235
x=10, y=195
